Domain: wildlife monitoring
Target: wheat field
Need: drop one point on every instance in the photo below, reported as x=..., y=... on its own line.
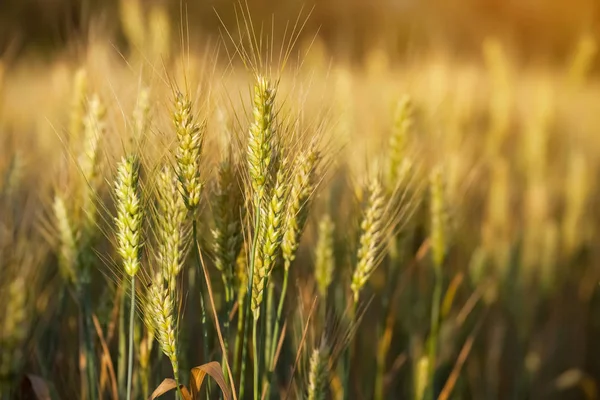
x=252, y=218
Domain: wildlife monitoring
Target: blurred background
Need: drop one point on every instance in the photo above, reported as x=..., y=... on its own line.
x=533, y=29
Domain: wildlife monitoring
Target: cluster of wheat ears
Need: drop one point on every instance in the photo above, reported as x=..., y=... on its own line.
x=259, y=205
x=278, y=245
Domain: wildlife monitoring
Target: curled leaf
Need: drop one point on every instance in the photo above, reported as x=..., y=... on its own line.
x=198, y=374
x=39, y=386
x=213, y=369
x=166, y=386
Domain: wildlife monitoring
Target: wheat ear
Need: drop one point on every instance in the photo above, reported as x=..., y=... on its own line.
x=371, y=236
x=324, y=255
x=129, y=242
x=190, y=138
x=172, y=232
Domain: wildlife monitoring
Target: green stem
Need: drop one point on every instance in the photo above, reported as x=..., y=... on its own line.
x=89, y=344
x=274, y=336
x=122, y=349
x=348, y=352
x=131, y=328
x=179, y=393
x=384, y=342
x=249, y=295
x=435, y=323
x=238, y=338
x=255, y=358
x=278, y=319
x=201, y=294
x=269, y=323
x=227, y=312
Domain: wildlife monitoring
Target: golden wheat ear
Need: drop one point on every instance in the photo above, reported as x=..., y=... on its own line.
x=172, y=232
x=318, y=375
x=190, y=140
x=372, y=233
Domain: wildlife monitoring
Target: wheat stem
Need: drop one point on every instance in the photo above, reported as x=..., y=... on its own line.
x=201, y=292
x=131, y=328
x=248, y=302
x=255, y=358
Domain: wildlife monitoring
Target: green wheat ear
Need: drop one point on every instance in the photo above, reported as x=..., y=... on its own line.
x=399, y=140
x=227, y=232
x=261, y=136
x=370, y=239
x=270, y=237
x=318, y=376
x=303, y=185
x=160, y=312
x=67, y=253
x=324, y=254
x=129, y=214
x=438, y=216
x=171, y=229
x=190, y=139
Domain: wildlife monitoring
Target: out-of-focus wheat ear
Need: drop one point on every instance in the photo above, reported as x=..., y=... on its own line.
x=132, y=22
x=227, y=205
x=371, y=236
x=421, y=377
x=78, y=105
x=577, y=195
x=94, y=129
x=129, y=214
x=261, y=136
x=159, y=26
x=501, y=101
x=582, y=60
x=270, y=238
x=13, y=175
x=171, y=230
x=141, y=116
x=67, y=248
x=303, y=186
x=438, y=216
x=324, y=255
x=14, y=328
x=94, y=124
x=318, y=375
x=190, y=138
x=403, y=122
x=161, y=318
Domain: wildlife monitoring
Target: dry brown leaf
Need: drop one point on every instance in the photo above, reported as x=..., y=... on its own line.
x=166, y=386
x=213, y=369
x=39, y=386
